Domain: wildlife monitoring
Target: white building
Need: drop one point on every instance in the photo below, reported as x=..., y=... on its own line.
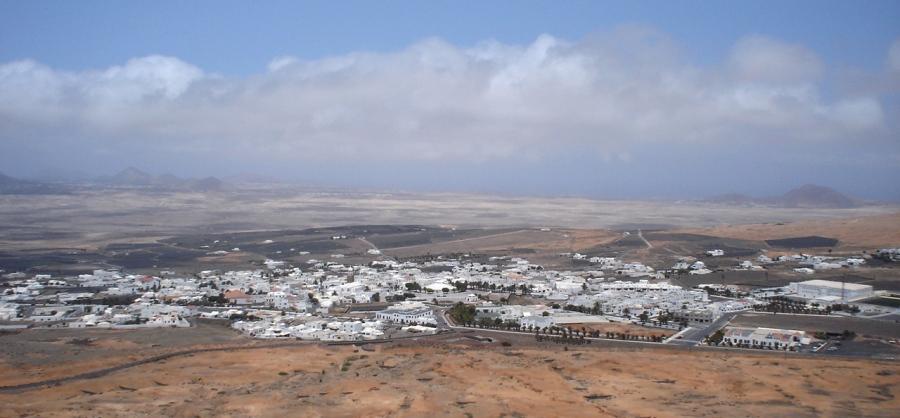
x=814, y=289
x=277, y=300
x=770, y=338
x=418, y=316
x=681, y=265
x=168, y=320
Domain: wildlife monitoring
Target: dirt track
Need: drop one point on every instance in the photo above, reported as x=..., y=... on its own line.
x=17, y=388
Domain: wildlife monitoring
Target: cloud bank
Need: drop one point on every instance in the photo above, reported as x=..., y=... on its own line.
x=616, y=98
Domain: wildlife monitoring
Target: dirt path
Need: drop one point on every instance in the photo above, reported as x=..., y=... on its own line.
x=641, y=236
x=367, y=242
x=105, y=371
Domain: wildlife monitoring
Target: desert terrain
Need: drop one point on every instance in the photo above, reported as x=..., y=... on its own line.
x=90, y=218
x=852, y=232
x=452, y=375
x=147, y=231
x=211, y=370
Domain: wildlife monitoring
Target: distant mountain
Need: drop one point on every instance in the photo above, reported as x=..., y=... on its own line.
x=6, y=180
x=12, y=185
x=806, y=196
x=133, y=177
x=11, y=181
x=812, y=196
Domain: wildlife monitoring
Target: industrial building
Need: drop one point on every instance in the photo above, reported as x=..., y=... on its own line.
x=830, y=290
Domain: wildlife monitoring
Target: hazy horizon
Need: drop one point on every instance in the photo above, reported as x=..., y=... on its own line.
x=649, y=100
x=76, y=178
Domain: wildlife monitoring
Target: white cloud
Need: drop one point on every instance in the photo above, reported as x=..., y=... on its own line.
x=142, y=78
x=858, y=113
x=893, y=58
x=281, y=62
x=434, y=100
x=758, y=58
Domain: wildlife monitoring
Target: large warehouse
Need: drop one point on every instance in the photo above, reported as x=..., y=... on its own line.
x=815, y=289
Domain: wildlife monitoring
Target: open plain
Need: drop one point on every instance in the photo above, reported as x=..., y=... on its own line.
x=212, y=370
x=90, y=217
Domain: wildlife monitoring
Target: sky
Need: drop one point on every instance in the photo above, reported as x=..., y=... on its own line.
x=638, y=99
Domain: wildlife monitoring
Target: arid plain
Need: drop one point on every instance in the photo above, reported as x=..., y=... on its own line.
x=445, y=375
x=95, y=217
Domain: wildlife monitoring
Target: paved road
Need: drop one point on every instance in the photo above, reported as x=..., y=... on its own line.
x=694, y=336
x=442, y=322
x=892, y=312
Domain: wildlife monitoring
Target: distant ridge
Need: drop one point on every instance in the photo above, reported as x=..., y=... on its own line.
x=806, y=196
x=7, y=180
x=12, y=185
x=133, y=177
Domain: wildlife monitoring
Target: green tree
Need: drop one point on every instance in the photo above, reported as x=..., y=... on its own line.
x=462, y=313
x=717, y=337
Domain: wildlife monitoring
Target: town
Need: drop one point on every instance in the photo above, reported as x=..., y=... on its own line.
x=386, y=299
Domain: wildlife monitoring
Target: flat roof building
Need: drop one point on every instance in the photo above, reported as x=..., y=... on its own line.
x=814, y=289
x=771, y=338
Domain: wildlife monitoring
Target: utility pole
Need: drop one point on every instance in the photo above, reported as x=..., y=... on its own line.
x=843, y=291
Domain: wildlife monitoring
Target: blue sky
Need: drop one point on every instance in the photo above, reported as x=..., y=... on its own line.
x=604, y=99
x=239, y=37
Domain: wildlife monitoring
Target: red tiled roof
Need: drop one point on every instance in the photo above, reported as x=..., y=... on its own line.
x=236, y=294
